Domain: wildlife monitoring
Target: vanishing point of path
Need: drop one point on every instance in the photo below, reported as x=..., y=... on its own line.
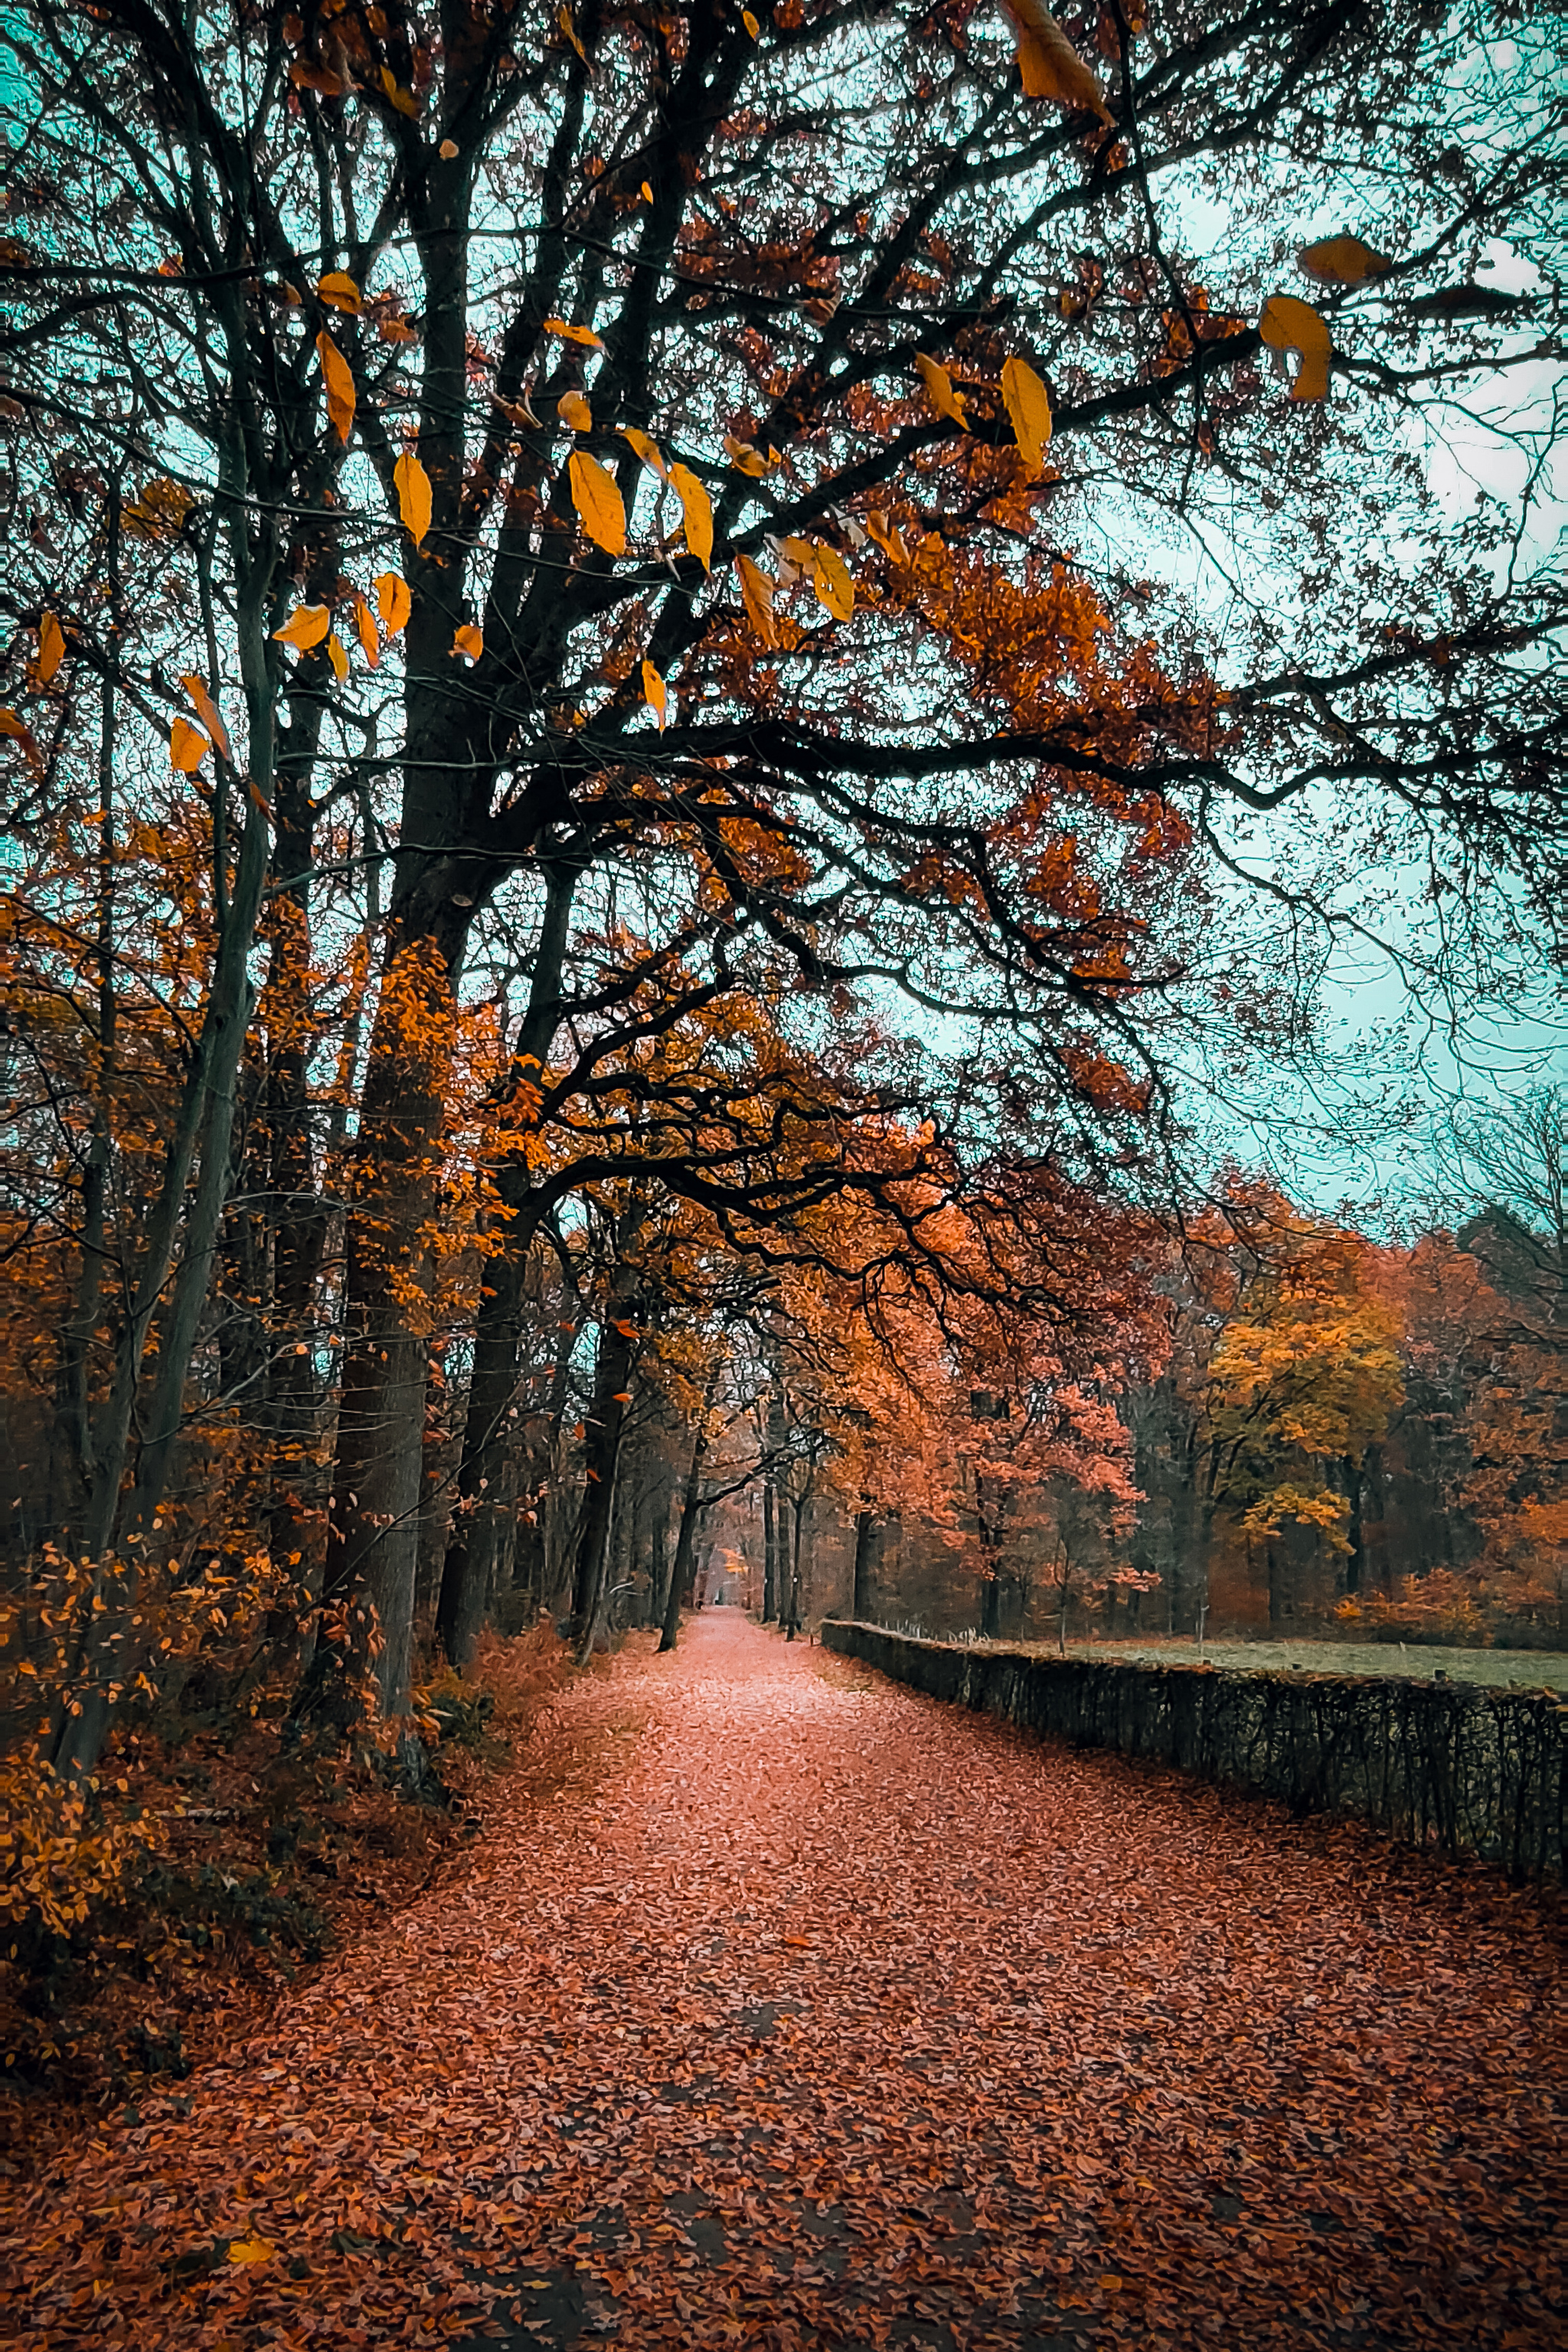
x=825, y=2015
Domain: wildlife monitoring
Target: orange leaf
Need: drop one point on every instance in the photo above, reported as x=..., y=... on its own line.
x=751, y=24
x=469, y=640
x=575, y=410
x=598, y=502
x=206, y=711
x=1029, y=408
x=747, y=459
x=369, y=636
x=250, y=2250
x=697, y=513
x=337, y=657
x=584, y=335
x=305, y=627
x=622, y=1396
x=187, y=747
x=830, y=577
x=1289, y=325
x=396, y=330
x=757, y=592
x=940, y=391
x=22, y=734
x=1049, y=63
x=51, y=649
x=338, y=291
x=563, y=19
x=412, y=484
x=447, y=150
x=403, y=101
x=338, y=376
x=393, y=601
x=648, y=451
x=657, y=697
x=1342, y=261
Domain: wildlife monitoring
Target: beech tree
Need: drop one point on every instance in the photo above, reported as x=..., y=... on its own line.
x=713, y=468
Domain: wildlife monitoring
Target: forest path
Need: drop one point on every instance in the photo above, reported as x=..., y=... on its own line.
x=834, y=2016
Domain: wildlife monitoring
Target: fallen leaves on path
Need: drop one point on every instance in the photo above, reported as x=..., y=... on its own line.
x=832, y=2016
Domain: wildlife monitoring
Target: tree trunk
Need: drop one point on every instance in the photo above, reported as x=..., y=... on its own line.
x=865, y=1542
x=606, y=1428
x=686, y=1542
x=770, y=1554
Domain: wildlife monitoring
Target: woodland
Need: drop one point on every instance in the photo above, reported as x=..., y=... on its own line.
x=692, y=699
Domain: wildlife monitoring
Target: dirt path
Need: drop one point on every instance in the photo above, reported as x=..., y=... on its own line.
x=839, y=2018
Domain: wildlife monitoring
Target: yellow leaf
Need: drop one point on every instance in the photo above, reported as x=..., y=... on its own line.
x=337, y=657
x=751, y=24
x=575, y=410
x=447, y=150
x=338, y=377
x=469, y=640
x=647, y=193
x=187, y=747
x=1287, y=325
x=757, y=592
x=1049, y=63
x=305, y=627
x=830, y=577
x=883, y=534
x=403, y=100
x=338, y=292
x=656, y=696
x=563, y=19
x=598, y=502
x=369, y=636
x=393, y=601
x=648, y=451
x=206, y=711
x=51, y=649
x=584, y=335
x=697, y=514
x=940, y=391
x=747, y=459
x=1029, y=408
x=1342, y=261
x=250, y=2250
x=412, y=484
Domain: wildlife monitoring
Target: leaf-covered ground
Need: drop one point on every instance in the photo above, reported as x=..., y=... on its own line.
x=827, y=2016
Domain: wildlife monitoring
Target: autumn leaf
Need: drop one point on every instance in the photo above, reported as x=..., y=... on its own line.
x=412, y=484
x=22, y=735
x=251, y=2249
x=188, y=747
x=396, y=330
x=1342, y=261
x=655, y=694
x=563, y=19
x=598, y=502
x=584, y=335
x=338, y=292
x=469, y=640
x=831, y=578
x=516, y=412
x=403, y=101
x=51, y=649
x=338, y=377
x=369, y=636
x=940, y=392
x=646, y=449
x=697, y=513
x=575, y=410
x=757, y=593
x=1289, y=325
x=1050, y=66
x=447, y=150
x=751, y=24
x=747, y=459
x=206, y=710
x=393, y=601
x=305, y=627
x=337, y=657
x=1029, y=409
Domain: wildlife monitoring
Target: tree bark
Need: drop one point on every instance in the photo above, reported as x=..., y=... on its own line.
x=686, y=1542
x=865, y=1544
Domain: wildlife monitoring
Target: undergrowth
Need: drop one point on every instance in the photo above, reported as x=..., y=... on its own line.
x=147, y=1919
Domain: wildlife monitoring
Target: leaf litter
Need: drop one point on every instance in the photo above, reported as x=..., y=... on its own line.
x=824, y=2014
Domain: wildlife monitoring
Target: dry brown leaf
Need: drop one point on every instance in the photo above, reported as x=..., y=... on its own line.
x=1290, y=325
x=1050, y=66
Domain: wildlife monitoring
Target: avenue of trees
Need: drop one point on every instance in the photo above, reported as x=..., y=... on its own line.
x=652, y=656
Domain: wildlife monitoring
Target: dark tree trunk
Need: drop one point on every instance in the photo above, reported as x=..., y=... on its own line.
x=770, y=1554
x=865, y=1548
x=686, y=1542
